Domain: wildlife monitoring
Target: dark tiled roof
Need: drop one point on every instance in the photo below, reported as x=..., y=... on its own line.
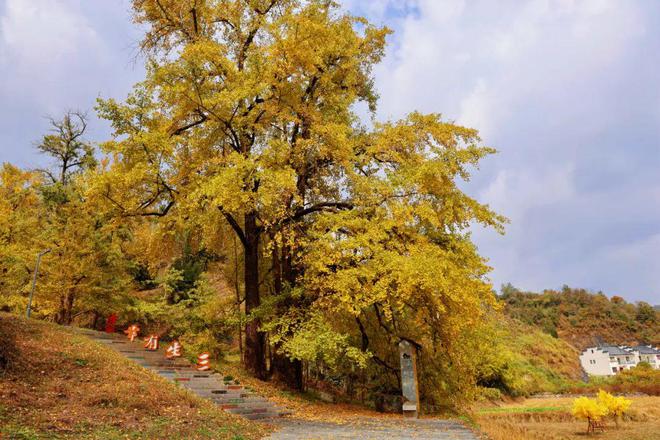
x=645, y=349
x=613, y=350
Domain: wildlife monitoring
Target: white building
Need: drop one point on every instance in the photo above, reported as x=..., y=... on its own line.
x=646, y=353
x=607, y=360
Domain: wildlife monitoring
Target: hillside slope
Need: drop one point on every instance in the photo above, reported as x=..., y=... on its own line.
x=55, y=384
x=582, y=318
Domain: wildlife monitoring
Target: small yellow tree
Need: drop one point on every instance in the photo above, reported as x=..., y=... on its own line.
x=590, y=410
x=616, y=406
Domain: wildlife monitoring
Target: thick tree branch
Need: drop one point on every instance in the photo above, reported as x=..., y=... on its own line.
x=180, y=130
x=126, y=213
x=324, y=206
x=365, y=337
x=193, y=11
x=235, y=226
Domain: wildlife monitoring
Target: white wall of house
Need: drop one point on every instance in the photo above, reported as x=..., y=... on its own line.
x=650, y=358
x=626, y=362
x=597, y=362
x=653, y=359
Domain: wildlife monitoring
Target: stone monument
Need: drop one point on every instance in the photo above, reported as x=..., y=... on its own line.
x=409, y=388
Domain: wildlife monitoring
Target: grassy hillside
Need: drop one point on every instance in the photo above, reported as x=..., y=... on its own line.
x=520, y=360
x=553, y=360
x=582, y=318
x=55, y=384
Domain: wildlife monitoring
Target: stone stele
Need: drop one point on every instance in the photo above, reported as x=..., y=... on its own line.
x=409, y=387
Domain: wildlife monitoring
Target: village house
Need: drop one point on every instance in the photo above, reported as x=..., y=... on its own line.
x=646, y=353
x=608, y=360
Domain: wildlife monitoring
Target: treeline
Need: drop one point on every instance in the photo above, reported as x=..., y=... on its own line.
x=242, y=198
x=584, y=318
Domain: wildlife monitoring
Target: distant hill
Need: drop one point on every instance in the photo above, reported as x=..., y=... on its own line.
x=583, y=318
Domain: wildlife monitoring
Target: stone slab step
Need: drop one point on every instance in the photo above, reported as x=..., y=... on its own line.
x=248, y=410
x=263, y=416
x=235, y=400
x=242, y=401
x=193, y=383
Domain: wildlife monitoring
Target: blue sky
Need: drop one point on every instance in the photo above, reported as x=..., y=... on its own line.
x=567, y=90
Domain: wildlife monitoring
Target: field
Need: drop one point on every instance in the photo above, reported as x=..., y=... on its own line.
x=550, y=419
x=55, y=384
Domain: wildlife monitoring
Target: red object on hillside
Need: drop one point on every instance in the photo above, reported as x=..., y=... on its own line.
x=110, y=323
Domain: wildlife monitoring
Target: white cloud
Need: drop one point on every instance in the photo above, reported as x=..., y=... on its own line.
x=450, y=55
x=38, y=33
x=57, y=55
x=513, y=192
x=547, y=82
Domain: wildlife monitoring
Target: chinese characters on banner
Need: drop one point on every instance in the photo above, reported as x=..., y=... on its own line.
x=174, y=350
x=151, y=343
x=203, y=362
x=132, y=332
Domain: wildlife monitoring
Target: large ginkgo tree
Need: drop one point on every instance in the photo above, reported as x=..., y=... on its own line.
x=247, y=118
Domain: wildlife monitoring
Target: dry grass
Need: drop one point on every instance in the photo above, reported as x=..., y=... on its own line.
x=60, y=385
x=550, y=419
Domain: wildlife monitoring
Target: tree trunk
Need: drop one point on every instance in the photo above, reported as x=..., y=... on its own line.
x=285, y=370
x=254, y=338
x=65, y=313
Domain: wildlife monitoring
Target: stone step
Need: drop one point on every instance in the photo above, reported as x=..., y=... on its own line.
x=242, y=400
x=219, y=392
x=177, y=368
x=223, y=397
x=192, y=374
x=193, y=382
x=263, y=416
x=162, y=365
x=201, y=381
x=248, y=409
x=214, y=392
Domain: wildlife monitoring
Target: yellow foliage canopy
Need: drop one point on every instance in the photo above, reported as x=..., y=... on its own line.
x=589, y=409
x=616, y=406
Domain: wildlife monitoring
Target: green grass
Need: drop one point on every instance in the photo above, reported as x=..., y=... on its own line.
x=16, y=432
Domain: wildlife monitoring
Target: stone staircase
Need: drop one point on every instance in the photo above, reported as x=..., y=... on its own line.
x=231, y=397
